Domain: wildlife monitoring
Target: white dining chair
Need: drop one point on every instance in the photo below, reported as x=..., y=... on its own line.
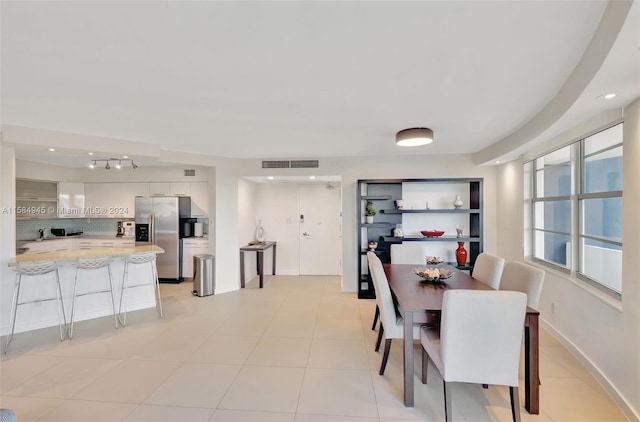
x=488, y=269
x=521, y=277
x=479, y=341
x=391, y=325
x=409, y=253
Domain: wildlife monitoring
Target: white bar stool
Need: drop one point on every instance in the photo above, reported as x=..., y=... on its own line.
x=32, y=269
x=92, y=264
x=137, y=259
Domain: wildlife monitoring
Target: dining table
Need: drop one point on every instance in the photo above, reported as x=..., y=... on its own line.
x=414, y=295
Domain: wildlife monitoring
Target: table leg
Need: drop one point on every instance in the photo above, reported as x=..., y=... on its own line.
x=261, y=267
x=273, y=268
x=242, y=269
x=408, y=358
x=531, y=365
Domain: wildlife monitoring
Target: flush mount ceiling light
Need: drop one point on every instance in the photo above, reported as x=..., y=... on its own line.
x=107, y=165
x=414, y=137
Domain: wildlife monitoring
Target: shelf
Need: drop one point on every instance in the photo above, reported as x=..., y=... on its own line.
x=376, y=197
x=420, y=238
x=372, y=225
x=434, y=211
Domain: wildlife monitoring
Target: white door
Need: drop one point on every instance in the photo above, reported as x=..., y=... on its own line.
x=320, y=230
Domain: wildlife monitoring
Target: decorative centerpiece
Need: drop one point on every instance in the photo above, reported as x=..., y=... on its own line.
x=433, y=274
x=369, y=212
x=432, y=233
x=373, y=245
x=461, y=254
x=434, y=260
x=457, y=202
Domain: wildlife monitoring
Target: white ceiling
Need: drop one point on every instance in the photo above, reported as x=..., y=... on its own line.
x=303, y=79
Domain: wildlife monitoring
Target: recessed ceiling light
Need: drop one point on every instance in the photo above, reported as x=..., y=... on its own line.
x=312, y=177
x=609, y=96
x=52, y=149
x=125, y=156
x=90, y=153
x=270, y=177
x=497, y=161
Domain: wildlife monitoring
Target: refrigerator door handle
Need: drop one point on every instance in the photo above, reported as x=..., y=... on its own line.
x=152, y=229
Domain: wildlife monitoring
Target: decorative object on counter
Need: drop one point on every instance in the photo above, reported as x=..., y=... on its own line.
x=398, y=232
x=457, y=202
x=373, y=245
x=259, y=232
x=461, y=254
x=414, y=137
x=459, y=231
x=107, y=165
x=434, y=260
x=369, y=212
x=399, y=204
x=432, y=233
x=434, y=275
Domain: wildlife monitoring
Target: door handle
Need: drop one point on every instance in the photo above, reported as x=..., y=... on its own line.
x=305, y=234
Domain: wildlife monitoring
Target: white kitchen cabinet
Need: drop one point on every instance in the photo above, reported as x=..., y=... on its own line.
x=191, y=247
x=159, y=189
x=113, y=200
x=199, y=199
x=85, y=243
x=181, y=189
x=70, y=200
x=50, y=245
x=36, y=199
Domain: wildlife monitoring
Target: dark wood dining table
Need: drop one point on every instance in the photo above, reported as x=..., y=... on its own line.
x=414, y=296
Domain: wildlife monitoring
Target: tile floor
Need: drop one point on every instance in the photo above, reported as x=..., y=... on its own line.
x=298, y=350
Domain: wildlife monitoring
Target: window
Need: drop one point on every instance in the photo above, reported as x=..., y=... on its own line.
x=577, y=200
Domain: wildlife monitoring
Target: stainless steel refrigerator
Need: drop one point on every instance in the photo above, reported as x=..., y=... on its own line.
x=158, y=223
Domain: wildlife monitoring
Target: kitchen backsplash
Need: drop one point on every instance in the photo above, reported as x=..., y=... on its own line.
x=28, y=229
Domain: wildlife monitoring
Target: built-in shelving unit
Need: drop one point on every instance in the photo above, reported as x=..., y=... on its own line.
x=427, y=205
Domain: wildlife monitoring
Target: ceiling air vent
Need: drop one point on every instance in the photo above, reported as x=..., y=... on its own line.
x=304, y=164
x=190, y=172
x=275, y=164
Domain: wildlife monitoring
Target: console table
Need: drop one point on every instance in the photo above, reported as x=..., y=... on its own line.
x=259, y=248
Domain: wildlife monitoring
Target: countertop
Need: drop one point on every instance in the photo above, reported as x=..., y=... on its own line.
x=87, y=253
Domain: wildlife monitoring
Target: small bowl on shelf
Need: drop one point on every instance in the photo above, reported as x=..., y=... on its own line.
x=373, y=246
x=432, y=233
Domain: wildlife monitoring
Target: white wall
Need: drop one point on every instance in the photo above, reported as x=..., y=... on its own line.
x=247, y=205
x=604, y=334
x=7, y=231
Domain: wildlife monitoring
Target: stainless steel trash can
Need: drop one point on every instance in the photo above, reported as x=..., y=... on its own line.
x=203, y=275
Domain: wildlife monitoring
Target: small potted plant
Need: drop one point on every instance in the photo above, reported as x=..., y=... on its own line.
x=369, y=212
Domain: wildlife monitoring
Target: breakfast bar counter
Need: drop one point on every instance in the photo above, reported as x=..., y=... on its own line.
x=68, y=256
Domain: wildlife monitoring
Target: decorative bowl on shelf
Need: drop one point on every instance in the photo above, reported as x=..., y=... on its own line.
x=373, y=246
x=432, y=233
x=434, y=260
x=433, y=274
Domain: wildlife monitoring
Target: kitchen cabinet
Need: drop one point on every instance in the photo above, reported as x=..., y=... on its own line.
x=170, y=189
x=427, y=204
x=36, y=199
x=113, y=200
x=191, y=247
x=49, y=245
x=199, y=199
x=70, y=200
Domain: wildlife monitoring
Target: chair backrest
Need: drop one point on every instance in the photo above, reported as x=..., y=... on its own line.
x=488, y=269
x=383, y=297
x=521, y=277
x=36, y=267
x=140, y=258
x=481, y=336
x=93, y=262
x=414, y=253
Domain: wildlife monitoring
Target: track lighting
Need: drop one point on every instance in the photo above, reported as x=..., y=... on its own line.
x=107, y=164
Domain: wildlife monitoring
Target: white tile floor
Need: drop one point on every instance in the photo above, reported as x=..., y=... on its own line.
x=298, y=350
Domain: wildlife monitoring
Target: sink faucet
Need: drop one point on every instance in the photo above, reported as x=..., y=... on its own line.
x=41, y=232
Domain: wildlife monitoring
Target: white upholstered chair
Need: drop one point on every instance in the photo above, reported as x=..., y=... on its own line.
x=488, y=269
x=521, y=277
x=414, y=253
x=391, y=325
x=479, y=341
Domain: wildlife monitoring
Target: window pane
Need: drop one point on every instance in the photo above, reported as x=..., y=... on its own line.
x=602, y=217
x=603, y=171
x=553, y=215
x=602, y=140
x=602, y=263
x=553, y=247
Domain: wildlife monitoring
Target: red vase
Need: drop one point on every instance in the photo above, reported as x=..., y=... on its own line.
x=461, y=254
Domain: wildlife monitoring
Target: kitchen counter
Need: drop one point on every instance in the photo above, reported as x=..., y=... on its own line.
x=88, y=253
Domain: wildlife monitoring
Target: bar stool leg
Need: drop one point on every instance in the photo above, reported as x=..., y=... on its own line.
x=154, y=274
x=73, y=303
x=123, y=321
x=14, y=311
x=61, y=308
x=113, y=300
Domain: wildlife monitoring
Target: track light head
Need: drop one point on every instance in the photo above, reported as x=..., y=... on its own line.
x=107, y=167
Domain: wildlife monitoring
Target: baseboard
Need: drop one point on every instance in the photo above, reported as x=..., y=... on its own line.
x=628, y=410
